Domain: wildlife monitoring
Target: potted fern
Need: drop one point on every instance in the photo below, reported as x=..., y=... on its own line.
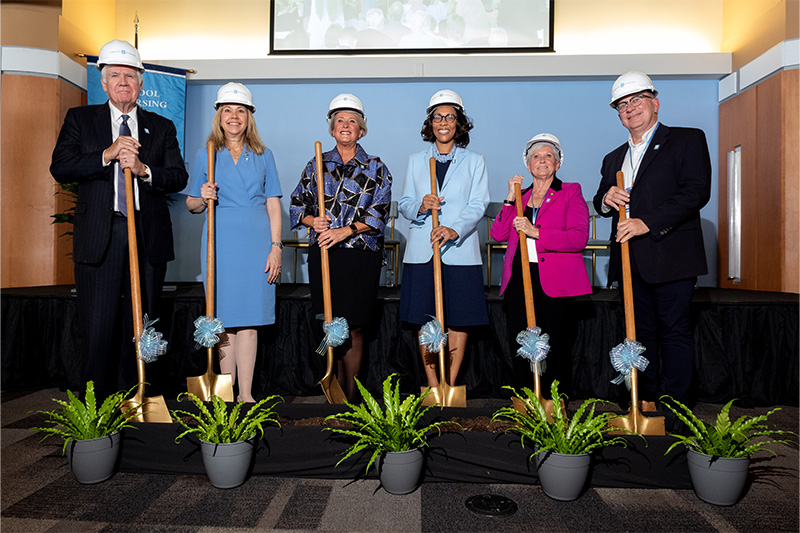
x=718, y=454
x=562, y=447
x=227, y=436
x=91, y=435
x=393, y=434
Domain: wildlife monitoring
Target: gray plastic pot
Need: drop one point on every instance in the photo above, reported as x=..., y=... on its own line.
x=227, y=465
x=717, y=480
x=563, y=476
x=400, y=472
x=94, y=460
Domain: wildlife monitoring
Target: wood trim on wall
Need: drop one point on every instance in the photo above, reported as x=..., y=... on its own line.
x=31, y=252
x=763, y=120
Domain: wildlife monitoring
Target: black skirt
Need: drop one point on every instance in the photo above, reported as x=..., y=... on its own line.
x=355, y=275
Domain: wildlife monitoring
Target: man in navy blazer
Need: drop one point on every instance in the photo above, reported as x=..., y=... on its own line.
x=667, y=181
x=94, y=146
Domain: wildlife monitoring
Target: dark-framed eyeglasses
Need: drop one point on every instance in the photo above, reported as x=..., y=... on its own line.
x=635, y=101
x=449, y=118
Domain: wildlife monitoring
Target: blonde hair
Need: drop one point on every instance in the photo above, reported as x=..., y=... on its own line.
x=252, y=139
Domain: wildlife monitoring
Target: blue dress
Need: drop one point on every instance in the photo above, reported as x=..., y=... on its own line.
x=243, y=240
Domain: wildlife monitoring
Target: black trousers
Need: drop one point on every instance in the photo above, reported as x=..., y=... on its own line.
x=555, y=317
x=662, y=312
x=105, y=313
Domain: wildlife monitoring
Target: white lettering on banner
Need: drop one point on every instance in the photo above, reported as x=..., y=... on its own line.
x=152, y=103
x=151, y=92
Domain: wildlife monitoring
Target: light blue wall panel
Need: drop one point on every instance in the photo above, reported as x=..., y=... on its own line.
x=291, y=116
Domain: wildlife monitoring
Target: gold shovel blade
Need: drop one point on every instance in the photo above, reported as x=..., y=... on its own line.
x=217, y=384
x=636, y=422
x=332, y=390
x=445, y=395
x=205, y=385
x=150, y=410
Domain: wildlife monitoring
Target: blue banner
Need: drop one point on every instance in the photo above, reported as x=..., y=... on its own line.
x=163, y=92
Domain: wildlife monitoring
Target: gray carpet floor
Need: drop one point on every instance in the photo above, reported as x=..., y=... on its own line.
x=39, y=494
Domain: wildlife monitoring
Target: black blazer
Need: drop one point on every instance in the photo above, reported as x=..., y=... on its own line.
x=78, y=157
x=673, y=184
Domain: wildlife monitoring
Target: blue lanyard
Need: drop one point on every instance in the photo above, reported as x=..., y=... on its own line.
x=635, y=168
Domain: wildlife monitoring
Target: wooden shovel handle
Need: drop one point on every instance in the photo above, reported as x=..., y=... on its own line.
x=323, y=252
x=437, y=254
x=211, y=239
x=527, y=285
x=627, y=288
x=136, y=289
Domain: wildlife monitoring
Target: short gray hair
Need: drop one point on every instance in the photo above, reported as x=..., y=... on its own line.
x=535, y=146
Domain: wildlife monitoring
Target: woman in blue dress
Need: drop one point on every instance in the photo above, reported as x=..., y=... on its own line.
x=461, y=199
x=248, y=230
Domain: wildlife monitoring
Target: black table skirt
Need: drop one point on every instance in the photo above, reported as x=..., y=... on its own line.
x=746, y=345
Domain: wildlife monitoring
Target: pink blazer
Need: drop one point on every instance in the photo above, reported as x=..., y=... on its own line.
x=563, y=222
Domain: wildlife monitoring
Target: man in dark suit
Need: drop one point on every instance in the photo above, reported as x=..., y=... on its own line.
x=667, y=181
x=95, y=145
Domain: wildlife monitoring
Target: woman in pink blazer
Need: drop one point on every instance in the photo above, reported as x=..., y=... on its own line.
x=556, y=222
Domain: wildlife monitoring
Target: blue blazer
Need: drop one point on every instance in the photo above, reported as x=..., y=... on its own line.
x=78, y=157
x=673, y=184
x=466, y=195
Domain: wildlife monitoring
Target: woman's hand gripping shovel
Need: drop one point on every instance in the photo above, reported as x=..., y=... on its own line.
x=335, y=330
x=207, y=327
x=443, y=394
x=534, y=342
x=139, y=408
x=626, y=357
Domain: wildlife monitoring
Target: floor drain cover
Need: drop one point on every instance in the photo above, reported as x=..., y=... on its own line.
x=491, y=505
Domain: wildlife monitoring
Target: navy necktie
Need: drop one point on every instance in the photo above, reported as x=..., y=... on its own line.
x=125, y=130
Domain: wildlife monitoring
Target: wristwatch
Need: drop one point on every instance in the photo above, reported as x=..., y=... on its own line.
x=279, y=244
x=354, y=228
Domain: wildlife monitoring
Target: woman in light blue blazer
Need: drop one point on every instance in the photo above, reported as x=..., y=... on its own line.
x=461, y=199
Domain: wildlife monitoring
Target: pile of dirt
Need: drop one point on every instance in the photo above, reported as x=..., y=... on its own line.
x=480, y=424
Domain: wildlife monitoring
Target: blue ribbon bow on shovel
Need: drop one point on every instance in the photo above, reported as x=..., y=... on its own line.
x=624, y=356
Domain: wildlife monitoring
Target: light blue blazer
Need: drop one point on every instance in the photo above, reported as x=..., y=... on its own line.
x=466, y=195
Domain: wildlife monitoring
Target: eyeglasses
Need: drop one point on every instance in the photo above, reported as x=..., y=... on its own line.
x=449, y=118
x=633, y=102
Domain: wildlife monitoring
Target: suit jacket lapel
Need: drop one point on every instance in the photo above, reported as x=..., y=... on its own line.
x=145, y=135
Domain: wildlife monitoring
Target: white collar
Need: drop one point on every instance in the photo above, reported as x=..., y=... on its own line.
x=645, y=137
x=116, y=114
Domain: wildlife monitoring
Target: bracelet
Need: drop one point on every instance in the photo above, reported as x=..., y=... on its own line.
x=508, y=202
x=279, y=244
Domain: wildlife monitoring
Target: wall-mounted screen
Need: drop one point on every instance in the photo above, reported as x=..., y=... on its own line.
x=410, y=26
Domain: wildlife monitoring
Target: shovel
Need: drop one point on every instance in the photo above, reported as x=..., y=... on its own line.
x=442, y=394
x=634, y=421
x=530, y=314
x=330, y=385
x=139, y=408
x=210, y=383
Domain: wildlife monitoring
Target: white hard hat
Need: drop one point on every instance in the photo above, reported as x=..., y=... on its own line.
x=235, y=93
x=548, y=138
x=631, y=83
x=445, y=97
x=346, y=102
x=119, y=53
